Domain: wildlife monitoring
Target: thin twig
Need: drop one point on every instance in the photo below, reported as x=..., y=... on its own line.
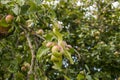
x=79, y=56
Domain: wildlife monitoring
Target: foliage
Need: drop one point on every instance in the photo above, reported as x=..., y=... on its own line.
x=60, y=40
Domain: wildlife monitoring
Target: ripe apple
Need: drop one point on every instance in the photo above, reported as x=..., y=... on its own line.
x=9, y=18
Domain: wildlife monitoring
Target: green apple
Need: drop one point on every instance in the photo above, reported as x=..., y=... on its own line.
x=9, y=18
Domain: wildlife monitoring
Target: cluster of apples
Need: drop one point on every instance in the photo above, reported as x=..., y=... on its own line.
x=57, y=51
x=7, y=21
x=97, y=35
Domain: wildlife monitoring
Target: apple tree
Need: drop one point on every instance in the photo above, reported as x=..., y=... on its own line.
x=59, y=39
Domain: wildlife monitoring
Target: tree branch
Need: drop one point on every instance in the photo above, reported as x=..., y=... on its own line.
x=32, y=54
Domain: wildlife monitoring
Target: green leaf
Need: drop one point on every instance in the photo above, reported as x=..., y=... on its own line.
x=88, y=77
x=58, y=34
x=11, y=29
x=49, y=37
x=38, y=1
x=68, y=56
x=3, y=23
x=87, y=68
x=21, y=2
x=42, y=51
x=80, y=76
x=5, y=1
x=33, y=7
x=19, y=76
x=16, y=10
x=57, y=65
x=24, y=9
x=67, y=78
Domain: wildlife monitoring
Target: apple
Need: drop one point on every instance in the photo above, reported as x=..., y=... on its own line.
x=56, y=48
x=97, y=37
x=101, y=42
x=97, y=33
x=49, y=44
x=68, y=46
x=9, y=18
x=40, y=32
x=116, y=53
x=27, y=65
x=29, y=23
x=23, y=68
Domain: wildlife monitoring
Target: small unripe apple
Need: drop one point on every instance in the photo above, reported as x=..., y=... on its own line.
x=116, y=53
x=29, y=23
x=40, y=32
x=97, y=37
x=22, y=33
x=101, y=43
x=82, y=72
x=27, y=65
x=56, y=48
x=23, y=68
x=57, y=54
x=49, y=44
x=97, y=33
x=9, y=18
x=68, y=46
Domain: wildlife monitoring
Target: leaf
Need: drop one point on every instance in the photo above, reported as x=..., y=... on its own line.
x=38, y=1
x=24, y=9
x=16, y=10
x=58, y=34
x=5, y=1
x=11, y=29
x=67, y=78
x=42, y=51
x=68, y=56
x=87, y=68
x=19, y=76
x=49, y=37
x=57, y=65
x=3, y=23
x=21, y=2
x=88, y=77
x=33, y=7
x=80, y=76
